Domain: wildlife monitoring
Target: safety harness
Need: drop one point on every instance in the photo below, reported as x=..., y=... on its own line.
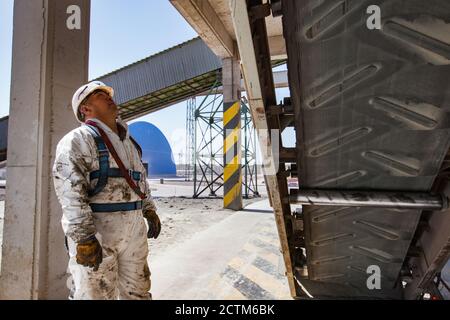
x=104, y=148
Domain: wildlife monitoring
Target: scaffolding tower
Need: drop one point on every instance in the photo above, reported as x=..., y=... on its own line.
x=204, y=147
x=190, y=149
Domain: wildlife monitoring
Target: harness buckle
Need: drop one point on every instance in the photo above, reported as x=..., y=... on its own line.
x=103, y=152
x=135, y=175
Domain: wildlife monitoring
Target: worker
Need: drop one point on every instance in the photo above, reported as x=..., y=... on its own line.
x=101, y=184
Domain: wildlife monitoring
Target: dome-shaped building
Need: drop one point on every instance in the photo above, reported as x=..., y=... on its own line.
x=156, y=150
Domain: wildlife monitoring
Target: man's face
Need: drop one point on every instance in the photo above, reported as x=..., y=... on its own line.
x=101, y=106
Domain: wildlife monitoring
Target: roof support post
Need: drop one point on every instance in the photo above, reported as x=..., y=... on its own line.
x=50, y=60
x=232, y=177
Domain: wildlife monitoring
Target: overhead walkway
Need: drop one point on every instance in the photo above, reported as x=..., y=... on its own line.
x=169, y=77
x=163, y=79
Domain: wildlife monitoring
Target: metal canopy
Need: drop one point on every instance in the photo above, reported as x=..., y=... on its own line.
x=169, y=77
x=163, y=79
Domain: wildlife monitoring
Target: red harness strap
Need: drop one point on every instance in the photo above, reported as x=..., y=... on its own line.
x=119, y=162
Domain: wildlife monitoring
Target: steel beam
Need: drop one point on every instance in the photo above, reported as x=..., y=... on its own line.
x=204, y=19
x=376, y=199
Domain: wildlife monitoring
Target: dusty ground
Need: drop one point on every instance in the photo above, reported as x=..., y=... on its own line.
x=183, y=217
x=211, y=252
x=236, y=258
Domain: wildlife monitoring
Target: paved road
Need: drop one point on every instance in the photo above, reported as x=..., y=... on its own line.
x=237, y=258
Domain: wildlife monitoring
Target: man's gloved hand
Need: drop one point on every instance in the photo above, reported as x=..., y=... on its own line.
x=90, y=253
x=154, y=225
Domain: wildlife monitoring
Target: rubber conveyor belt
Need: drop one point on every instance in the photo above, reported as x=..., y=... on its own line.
x=371, y=113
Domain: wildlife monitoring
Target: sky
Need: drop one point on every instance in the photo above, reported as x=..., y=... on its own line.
x=6, y=7
x=122, y=32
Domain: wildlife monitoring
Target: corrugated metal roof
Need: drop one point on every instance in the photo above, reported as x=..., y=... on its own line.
x=164, y=69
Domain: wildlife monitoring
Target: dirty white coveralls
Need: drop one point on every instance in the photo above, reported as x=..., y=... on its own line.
x=124, y=272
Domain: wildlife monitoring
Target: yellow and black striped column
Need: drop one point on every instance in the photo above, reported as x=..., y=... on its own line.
x=232, y=175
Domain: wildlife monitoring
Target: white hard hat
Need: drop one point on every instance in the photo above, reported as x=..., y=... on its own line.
x=86, y=90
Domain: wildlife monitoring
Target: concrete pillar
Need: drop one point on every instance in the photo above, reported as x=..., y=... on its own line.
x=231, y=80
x=49, y=62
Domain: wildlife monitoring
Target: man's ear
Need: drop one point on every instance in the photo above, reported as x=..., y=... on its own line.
x=84, y=109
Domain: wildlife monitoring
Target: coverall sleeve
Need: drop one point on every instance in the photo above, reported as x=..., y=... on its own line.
x=148, y=203
x=70, y=177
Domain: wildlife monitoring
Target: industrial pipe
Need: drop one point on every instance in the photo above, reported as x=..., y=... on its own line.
x=377, y=199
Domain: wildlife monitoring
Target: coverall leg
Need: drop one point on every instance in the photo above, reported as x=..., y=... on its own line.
x=124, y=272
